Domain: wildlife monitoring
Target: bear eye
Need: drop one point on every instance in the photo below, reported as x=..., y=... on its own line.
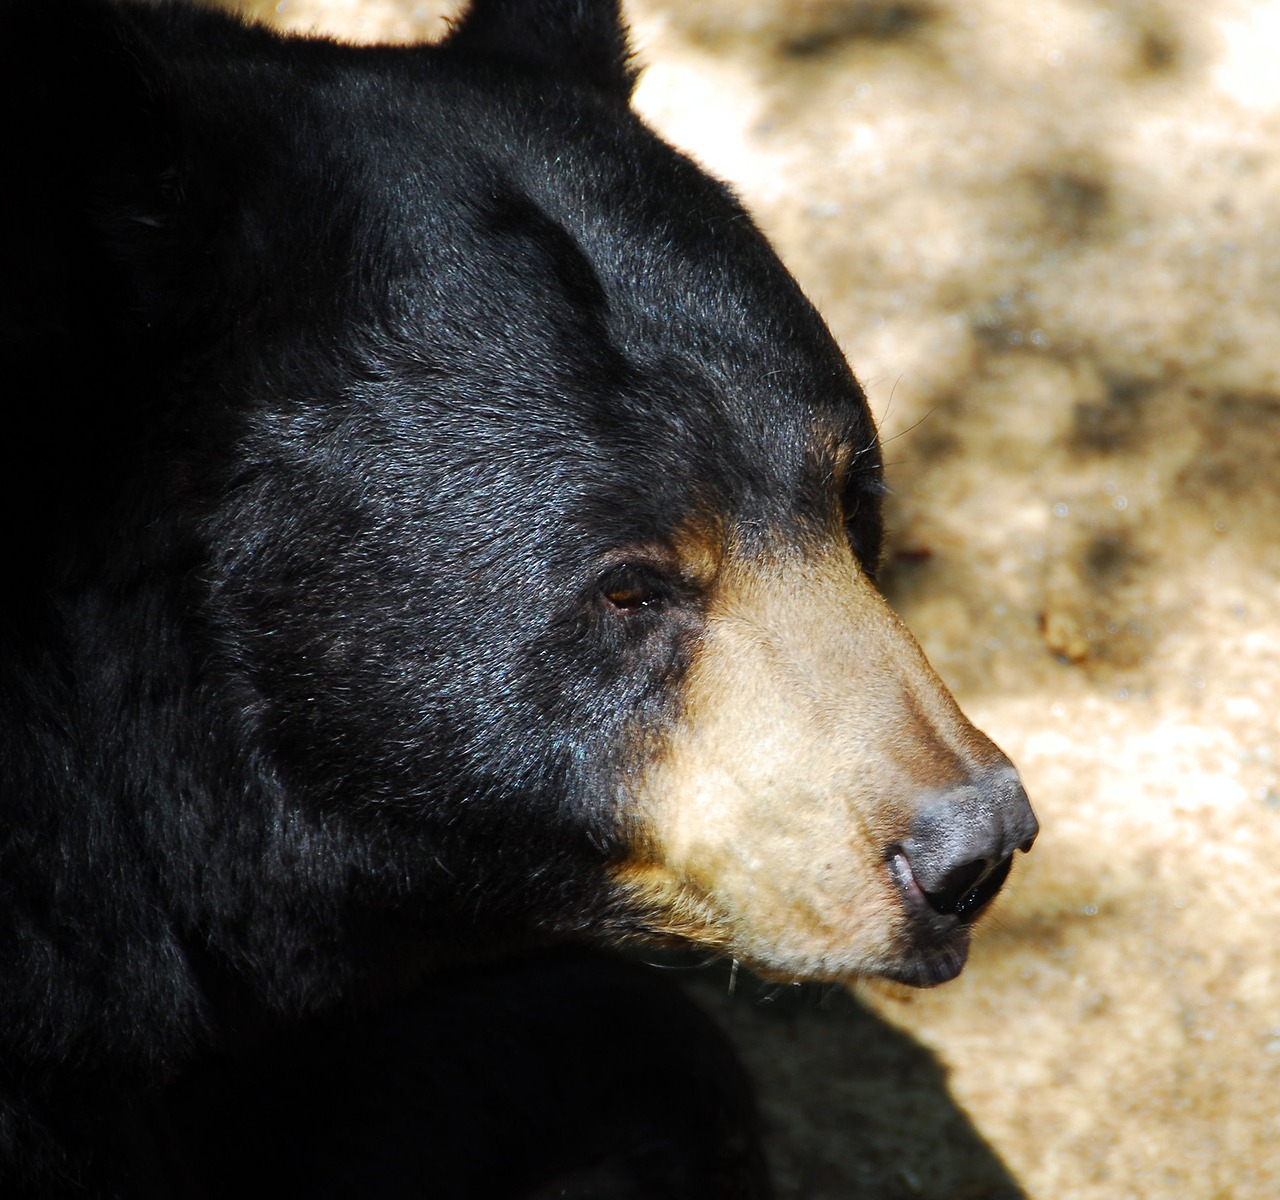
x=632, y=589
x=630, y=598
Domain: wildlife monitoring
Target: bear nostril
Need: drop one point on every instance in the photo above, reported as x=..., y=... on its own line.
x=965, y=889
x=955, y=885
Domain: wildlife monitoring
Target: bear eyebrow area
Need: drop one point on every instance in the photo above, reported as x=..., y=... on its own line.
x=648, y=575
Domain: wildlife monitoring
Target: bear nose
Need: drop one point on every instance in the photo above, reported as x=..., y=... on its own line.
x=961, y=842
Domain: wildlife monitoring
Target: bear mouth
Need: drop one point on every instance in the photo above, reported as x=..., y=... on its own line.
x=941, y=923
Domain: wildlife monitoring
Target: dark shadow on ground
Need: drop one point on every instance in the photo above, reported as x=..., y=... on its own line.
x=855, y=1109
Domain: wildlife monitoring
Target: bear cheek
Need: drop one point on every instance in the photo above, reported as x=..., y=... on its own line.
x=813, y=735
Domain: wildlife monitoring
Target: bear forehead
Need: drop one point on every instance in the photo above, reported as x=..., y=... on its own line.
x=624, y=320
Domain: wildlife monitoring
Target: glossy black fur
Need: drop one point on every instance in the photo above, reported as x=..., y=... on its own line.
x=560, y=1077
x=341, y=386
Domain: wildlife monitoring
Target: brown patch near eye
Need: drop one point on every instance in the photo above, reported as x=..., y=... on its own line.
x=811, y=724
x=699, y=546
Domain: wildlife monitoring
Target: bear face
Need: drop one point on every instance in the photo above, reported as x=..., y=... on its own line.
x=619, y=422
x=465, y=535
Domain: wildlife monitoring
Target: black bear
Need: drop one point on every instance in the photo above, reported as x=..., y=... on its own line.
x=441, y=534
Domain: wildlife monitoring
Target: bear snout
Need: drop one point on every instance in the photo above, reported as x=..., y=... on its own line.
x=822, y=809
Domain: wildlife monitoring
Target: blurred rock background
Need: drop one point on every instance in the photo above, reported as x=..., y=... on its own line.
x=1047, y=235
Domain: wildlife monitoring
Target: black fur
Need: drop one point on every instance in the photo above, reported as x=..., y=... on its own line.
x=338, y=378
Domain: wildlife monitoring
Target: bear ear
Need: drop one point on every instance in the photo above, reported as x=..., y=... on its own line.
x=583, y=41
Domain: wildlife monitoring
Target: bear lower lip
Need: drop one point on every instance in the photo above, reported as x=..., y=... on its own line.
x=927, y=968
